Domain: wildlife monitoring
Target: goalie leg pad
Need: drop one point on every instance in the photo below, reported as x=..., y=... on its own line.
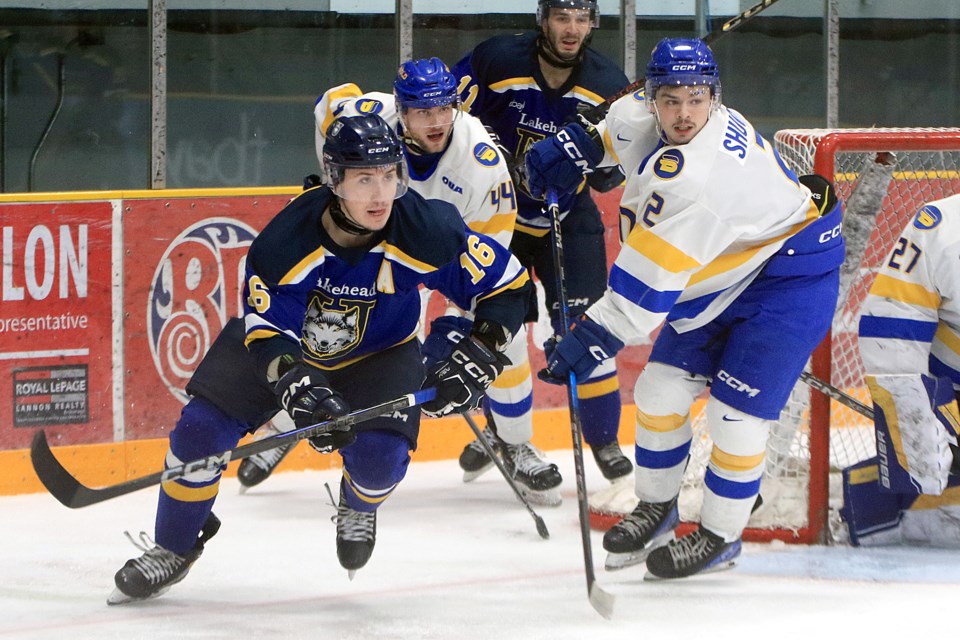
x=663, y=395
x=911, y=414
x=871, y=512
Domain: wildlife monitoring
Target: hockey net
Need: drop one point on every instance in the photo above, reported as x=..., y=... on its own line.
x=883, y=176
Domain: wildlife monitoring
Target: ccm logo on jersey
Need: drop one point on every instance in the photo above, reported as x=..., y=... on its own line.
x=829, y=235
x=736, y=385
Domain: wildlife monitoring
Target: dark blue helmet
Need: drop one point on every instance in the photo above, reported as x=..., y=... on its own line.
x=544, y=6
x=361, y=141
x=682, y=62
x=422, y=84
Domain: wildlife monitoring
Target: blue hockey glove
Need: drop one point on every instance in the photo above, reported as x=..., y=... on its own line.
x=462, y=379
x=581, y=350
x=445, y=333
x=560, y=161
x=305, y=394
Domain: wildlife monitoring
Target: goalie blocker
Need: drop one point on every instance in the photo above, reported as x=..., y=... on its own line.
x=909, y=492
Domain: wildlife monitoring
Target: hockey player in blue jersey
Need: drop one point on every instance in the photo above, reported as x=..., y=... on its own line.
x=727, y=246
x=331, y=314
x=527, y=87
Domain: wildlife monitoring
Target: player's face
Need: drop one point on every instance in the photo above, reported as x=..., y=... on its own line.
x=566, y=30
x=367, y=194
x=430, y=128
x=683, y=111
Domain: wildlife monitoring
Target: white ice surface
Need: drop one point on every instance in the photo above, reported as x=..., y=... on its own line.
x=453, y=560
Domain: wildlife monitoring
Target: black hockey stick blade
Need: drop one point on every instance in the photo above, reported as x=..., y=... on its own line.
x=541, y=525
x=63, y=486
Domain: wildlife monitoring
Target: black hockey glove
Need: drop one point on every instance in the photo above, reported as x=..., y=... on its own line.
x=305, y=393
x=445, y=333
x=585, y=346
x=462, y=379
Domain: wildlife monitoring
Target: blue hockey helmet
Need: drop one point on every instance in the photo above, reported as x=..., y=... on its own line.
x=682, y=62
x=426, y=83
x=361, y=141
x=544, y=6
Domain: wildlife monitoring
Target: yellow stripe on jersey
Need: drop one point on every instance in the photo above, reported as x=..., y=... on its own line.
x=347, y=363
x=731, y=261
x=660, y=252
x=948, y=338
x=516, y=283
x=184, y=493
x=536, y=232
x=599, y=388
x=303, y=268
x=406, y=260
x=731, y=462
x=348, y=90
x=895, y=289
x=513, y=83
x=511, y=378
x=259, y=334
x=499, y=223
x=661, y=424
x=585, y=95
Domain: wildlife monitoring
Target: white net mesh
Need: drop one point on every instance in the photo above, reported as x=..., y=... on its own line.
x=883, y=177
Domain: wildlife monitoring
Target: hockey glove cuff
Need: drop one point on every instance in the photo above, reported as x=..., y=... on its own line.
x=585, y=346
x=445, y=333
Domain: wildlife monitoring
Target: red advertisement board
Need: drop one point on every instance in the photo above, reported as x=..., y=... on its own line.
x=55, y=323
x=183, y=265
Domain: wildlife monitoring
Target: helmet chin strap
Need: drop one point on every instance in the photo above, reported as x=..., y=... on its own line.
x=345, y=224
x=549, y=53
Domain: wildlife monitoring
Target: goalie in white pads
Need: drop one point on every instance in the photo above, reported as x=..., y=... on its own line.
x=910, y=344
x=725, y=243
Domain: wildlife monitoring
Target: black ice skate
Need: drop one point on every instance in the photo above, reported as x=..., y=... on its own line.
x=356, y=535
x=649, y=526
x=258, y=467
x=158, y=569
x=474, y=460
x=611, y=461
x=699, y=552
x=536, y=478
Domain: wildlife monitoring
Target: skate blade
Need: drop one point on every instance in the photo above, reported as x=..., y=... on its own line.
x=721, y=566
x=546, y=498
x=243, y=488
x=351, y=573
x=119, y=597
x=618, y=561
x=470, y=476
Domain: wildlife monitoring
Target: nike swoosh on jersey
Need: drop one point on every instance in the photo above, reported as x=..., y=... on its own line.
x=726, y=419
x=622, y=139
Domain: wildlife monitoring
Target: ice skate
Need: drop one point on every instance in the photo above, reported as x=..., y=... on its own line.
x=649, y=526
x=258, y=467
x=158, y=569
x=699, y=552
x=474, y=460
x=536, y=478
x=611, y=461
x=356, y=536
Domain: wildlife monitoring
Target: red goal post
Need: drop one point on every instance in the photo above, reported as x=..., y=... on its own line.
x=883, y=176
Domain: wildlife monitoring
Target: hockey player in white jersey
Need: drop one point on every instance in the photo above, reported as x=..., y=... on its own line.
x=723, y=243
x=910, y=344
x=450, y=156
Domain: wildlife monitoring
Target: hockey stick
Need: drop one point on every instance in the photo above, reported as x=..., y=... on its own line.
x=541, y=525
x=601, y=600
x=596, y=114
x=833, y=393
x=70, y=492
